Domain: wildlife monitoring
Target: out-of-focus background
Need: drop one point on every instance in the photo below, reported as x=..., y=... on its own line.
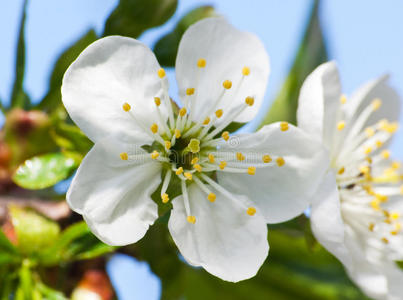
x=364, y=37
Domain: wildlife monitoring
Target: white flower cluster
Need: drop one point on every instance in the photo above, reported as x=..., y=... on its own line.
x=225, y=188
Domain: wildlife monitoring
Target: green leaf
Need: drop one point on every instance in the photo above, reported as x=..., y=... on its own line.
x=70, y=137
x=44, y=171
x=53, y=97
x=312, y=52
x=133, y=17
x=18, y=97
x=5, y=244
x=167, y=47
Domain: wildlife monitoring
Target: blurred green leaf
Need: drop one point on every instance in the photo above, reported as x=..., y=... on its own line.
x=167, y=47
x=44, y=171
x=53, y=97
x=5, y=244
x=18, y=97
x=49, y=293
x=26, y=280
x=34, y=232
x=70, y=137
x=132, y=17
x=312, y=52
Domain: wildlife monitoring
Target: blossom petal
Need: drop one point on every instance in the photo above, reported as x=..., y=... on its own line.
x=319, y=101
x=375, y=89
x=281, y=192
x=108, y=73
x=326, y=220
x=225, y=240
x=226, y=52
x=113, y=195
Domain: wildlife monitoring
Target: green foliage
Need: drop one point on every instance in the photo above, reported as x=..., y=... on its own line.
x=167, y=47
x=312, y=52
x=132, y=17
x=44, y=171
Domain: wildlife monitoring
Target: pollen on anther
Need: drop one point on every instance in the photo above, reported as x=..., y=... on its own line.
x=179, y=171
x=249, y=100
x=370, y=132
x=245, y=71
x=124, y=156
x=341, y=125
x=266, y=158
x=371, y=226
x=251, y=170
x=211, y=197
x=251, y=211
x=177, y=133
x=165, y=198
x=201, y=63
x=197, y=167
x=206, y=121
x=126, y=106
x=190, y=91
x=191, y=219
x=154, y=128
x=341, y=171
x=182, y=111
x=385, y=154
x=225, y=135
x=157, y=101
x=367, y=150
x=284, y=126
x=376, y=104
x=222, y=165
x=161, y=73
x=155, y=154
x=168, y=145
x=240, y=156
x=218, y=113
x=280, y=161
x=211, y=158
x=385, y=240
x=343, y=99
x=194, y=160
x=188, y=175
x=227, y=84
x=395, y=216
x=379, y=144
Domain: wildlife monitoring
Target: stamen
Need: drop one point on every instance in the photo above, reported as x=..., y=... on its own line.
x=161, y=73
x=179, y=171
x=249, y=101
x=379, y=144
x=201, y=63
x=154, y=128
x=206, y=121
x=251, y=211
x=245, y=71
x=284, y=126
x=266, y=158
x=385, y=154
x=177, y=133
x=157, y=101
x=194, y=160
x=227, y=84
x=385, y=240
x=182, y=111
x=155, y=154
x=168, y=145
x=367, y=150
x=225, y=135
x=211, y=197
x=191, y=219
x=280, y=161
x=219, y=113
x=240, y=156
x=188, y=175
x=165, y=198
x=190, y=91
x=126, y=106
x=341, y=171
x=165, y=184
x=341, y=125
x=124, y=156
x=194, y=145
x=343, y=99
x=376, y=104
x=371, y=226
x=251, y=170
x=211, y=158
x=223, y=164
x=370, y=132
x=198, y=167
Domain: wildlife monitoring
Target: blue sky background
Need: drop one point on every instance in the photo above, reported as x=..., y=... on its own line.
x=365, y=37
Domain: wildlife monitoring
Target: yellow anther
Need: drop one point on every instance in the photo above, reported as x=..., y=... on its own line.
x=161, y=73
x=211, y=197
x=343, y=99
x=126, y=106
x=396, y=165
x=284, y=126
x=379, y=144
x=182, y=112
x=245, y=71
x=191, y=219
x=190, y=91
x=223, y=164
x=392, y=127
x=367, y=150
x=376, y=104
x=179, y=171
x=188, y=175
x=227, y=84
x=225, y=135
x=154, y=128
x=201, y=63
x=251, y=170
x=124, y=156
x=341, y=125
x=177, y=133
x=194, y=145
x=381, y=198
x=371, y=226
x=364, y=170
x=218, y=113
x=165, y=198
x=280, y=161
x=369, y=132
x=168, y=145
x=251, y=211
x=240, y=156
x=383, y=124
x=395, y=216
x=266, y=158
x=206, y=121
x=249, y=100
x=385, y=154
x=157, y=101
x=155, y=154
x=368, y=159
x=375, y=204
x=194, y=160
x=385, y=240
x=341, y=171
x=211, y=158
x=198, y=167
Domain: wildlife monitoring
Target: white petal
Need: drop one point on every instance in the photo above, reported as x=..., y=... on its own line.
x=326, y=221
x=225, y=240
x=108, y=73
x=114, y=195
x=319, y=101
x=281, y=192
x=226, y=51
x=363, y=96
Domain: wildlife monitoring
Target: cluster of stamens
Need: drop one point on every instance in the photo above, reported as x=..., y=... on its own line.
x=188, y=149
